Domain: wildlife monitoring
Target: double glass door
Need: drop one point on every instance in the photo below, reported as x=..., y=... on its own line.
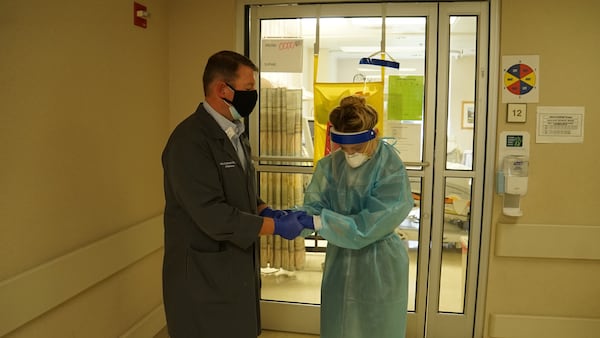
x=424, y=66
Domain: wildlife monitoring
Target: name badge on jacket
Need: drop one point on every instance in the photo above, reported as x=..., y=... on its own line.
x=228, y=164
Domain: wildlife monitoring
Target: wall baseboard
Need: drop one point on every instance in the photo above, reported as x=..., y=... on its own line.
x=548, y=241
x=521, y=326
x=45, y=286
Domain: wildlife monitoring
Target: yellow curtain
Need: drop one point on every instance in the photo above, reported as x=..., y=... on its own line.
x=327, y=96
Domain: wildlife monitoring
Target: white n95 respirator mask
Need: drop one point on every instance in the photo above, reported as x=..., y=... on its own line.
x=356, y=160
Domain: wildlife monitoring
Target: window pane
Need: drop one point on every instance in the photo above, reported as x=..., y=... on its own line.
x=285, y=114
x=455, y=244
x=461, y=98
x=405, y=86
x=409, y=230
x=286, y=124
x=291, y=270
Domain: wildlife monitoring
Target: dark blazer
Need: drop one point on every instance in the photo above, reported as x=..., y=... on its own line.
x=211, y=266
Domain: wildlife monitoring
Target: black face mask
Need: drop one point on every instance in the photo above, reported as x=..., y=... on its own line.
x=243, y=102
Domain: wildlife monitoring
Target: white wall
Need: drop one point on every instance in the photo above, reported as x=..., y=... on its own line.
x=544, y=269
x=83, y=119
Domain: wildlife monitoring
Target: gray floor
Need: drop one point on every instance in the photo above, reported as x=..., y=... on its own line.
x=304, y=287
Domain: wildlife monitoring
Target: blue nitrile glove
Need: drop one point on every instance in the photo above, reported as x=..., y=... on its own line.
x=287, y=226
x=268, y=212
x=307, y=221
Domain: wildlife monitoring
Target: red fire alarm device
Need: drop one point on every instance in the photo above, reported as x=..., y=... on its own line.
x=139, y=15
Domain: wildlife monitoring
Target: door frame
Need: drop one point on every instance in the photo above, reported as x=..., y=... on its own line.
x=310, y=322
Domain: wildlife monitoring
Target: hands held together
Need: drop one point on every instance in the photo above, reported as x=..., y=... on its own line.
x=289, y=224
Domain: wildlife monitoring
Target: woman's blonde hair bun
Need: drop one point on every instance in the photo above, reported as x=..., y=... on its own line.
x=353, y=115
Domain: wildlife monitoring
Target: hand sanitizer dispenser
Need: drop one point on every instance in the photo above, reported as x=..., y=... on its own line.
x=515, y=183
x=513, y=170
x=515, y=174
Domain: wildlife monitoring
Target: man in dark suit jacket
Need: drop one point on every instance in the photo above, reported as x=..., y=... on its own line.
x=211, y=267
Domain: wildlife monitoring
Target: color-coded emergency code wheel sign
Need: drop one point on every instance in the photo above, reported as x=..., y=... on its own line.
x=519, y=79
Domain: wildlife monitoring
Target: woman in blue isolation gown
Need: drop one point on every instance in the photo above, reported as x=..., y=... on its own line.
x=358, y=196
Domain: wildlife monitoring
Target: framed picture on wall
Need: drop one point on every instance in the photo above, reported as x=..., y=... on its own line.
x=468, y=114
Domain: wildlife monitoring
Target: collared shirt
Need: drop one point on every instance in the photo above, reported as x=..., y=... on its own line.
x=233, y=130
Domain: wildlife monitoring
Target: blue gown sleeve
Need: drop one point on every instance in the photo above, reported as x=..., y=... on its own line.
x=383, y=206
